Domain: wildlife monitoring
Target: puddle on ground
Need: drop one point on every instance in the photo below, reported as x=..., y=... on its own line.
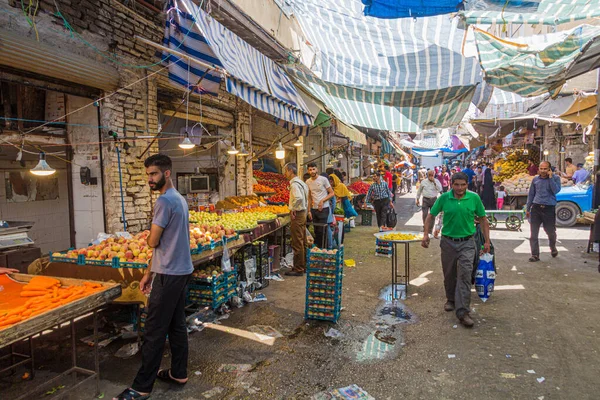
x=375, y=349
x=387, y=293
x=392, y=312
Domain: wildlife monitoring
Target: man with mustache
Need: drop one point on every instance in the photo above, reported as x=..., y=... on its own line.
x=165, y=280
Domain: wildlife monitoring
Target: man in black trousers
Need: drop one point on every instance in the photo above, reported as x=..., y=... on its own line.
x=165, y=280
x=541, y=209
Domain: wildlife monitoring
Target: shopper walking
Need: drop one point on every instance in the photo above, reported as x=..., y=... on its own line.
x=444, y=178
x=395, y=179
x=166, y=281
x=379, y=195
x=319, y=193
x=298, y=213
x=460, y=208
x=471, y=174
x=430, y=188
x=487, y=192
x=541, y=204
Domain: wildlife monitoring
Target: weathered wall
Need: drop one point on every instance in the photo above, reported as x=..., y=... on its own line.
x=105, y=29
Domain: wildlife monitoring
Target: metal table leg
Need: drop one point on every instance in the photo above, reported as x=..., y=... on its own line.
x=396, y=278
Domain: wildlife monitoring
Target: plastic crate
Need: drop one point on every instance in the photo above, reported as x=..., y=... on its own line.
x=383, y=248
x=66, y=259
x=324, y=285
x=366, y=217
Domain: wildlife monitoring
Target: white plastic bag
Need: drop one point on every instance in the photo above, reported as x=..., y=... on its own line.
x=226, y=260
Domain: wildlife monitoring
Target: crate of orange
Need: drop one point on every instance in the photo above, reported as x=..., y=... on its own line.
x=30, y=304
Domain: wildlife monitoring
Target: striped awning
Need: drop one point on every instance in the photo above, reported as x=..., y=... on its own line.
x=250, y=75
x=548, y=12
x=535, y=65
x=398, y=75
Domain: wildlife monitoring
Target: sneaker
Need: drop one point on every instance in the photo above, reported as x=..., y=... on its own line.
x=554, y=253
x=466, y=321
x=449, y=306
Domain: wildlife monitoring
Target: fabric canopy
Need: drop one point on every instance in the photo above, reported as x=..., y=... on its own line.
x=547, y=12
x=351, y=133
x=507, y=105
x=250, y=74
x=410, y=8
x=399, y=75
x=426, y=153
x=538, y=64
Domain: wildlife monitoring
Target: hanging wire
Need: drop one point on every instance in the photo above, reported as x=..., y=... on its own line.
x=98, y=100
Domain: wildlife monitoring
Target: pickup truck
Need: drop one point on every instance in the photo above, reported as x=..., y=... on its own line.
x=572, y=201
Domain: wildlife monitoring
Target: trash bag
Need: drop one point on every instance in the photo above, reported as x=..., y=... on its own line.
x=225, y=259
x=349, y=210
x=485, y=277
x=391, y=219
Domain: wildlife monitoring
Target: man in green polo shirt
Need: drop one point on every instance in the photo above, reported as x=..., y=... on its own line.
x=460, y=208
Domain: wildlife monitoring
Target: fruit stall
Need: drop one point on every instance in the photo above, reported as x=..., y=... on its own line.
x=31, y=304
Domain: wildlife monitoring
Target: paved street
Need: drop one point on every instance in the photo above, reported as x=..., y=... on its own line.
x=543, y=317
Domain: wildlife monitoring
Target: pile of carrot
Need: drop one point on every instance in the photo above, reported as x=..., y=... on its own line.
x=44, y=294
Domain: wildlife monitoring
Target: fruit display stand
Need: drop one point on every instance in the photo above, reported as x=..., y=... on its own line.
x=25, y=330
x=324, y=273
x=399, y=281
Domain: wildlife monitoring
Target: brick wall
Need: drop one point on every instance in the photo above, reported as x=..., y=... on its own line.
x=110, y=27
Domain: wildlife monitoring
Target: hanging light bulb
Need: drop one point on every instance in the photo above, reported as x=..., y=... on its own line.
x=298, y=143
x=232, y=150
x=546, y=152
x=562, y=149
x=525, y=152
x=341, y=155
x=304, y=155
x=313, y=152
x=42, y=168
x=242, y=152
x=186, y=144
x=280, y=152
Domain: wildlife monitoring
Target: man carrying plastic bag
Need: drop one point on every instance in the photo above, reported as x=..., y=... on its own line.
x=460, y=208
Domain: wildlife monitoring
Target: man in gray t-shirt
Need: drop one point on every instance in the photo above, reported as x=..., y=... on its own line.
x=172, y=256
x=166, y=280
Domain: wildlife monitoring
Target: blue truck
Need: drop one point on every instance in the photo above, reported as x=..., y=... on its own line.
x=572, y=201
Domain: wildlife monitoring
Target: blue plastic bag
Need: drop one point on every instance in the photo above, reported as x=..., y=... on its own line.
x=485, y=277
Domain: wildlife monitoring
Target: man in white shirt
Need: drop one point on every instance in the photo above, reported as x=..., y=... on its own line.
x=298, y=210
x=429, y=188
x=319, y=193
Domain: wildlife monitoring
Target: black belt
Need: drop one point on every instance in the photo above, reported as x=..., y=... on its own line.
x=542, y=205
x=462, y=239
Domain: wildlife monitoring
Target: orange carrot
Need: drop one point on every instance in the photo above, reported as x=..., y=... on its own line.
x=10, y=321
x=31, y=293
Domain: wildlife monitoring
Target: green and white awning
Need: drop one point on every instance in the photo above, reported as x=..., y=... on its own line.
x=549, y=12
x=535, y=65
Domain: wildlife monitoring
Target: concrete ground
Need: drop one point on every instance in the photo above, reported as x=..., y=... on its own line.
x=537, y=337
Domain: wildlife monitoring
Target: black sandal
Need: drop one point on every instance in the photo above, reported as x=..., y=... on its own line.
x=130, y=394
x=534, y=259
x=164, y=374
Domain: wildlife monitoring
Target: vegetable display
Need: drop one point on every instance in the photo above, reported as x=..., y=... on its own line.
x=44, y=294
x=277, y=182
x=359, y=187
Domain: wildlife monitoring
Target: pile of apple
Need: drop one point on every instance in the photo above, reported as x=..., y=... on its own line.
x=201, y=235
x=135, y=249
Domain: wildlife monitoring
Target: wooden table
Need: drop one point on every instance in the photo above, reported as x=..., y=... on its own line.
x=24, y=331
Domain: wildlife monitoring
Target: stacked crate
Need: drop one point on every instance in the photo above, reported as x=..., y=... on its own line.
x=324, y=272
x=383, y=248
x=212, y=292
x=260, y=252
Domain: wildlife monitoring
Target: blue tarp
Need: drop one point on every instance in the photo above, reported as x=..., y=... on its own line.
x=410, y=8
